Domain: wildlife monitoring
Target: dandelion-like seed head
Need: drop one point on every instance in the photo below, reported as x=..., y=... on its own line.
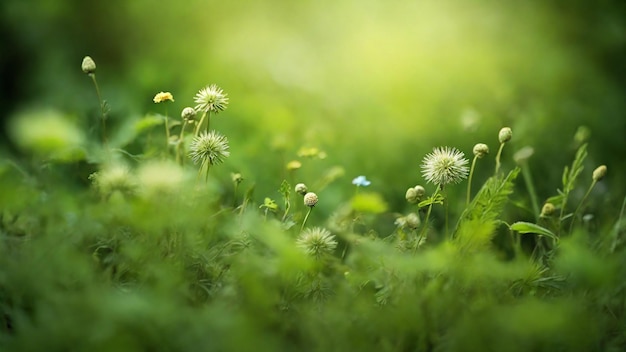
x=210, y=147
x=480, y=150
x=163, y=96
x=88, y=66
x=211, y=99
x=301, y=189
x=310, y=199
x=445, y=165
x=114, y=178
x=316, y=242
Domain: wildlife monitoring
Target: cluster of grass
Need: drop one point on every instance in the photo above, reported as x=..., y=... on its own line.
x=147, y=248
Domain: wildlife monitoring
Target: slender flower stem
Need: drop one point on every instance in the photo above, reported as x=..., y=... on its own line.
x=305, y=218
x=181, y=144
x=425, y=224
x=167, y=133
x=498, y=157
x=571, y=225
x=102, y=108
x=469, y=180
x=204, y=114
x=528, y=180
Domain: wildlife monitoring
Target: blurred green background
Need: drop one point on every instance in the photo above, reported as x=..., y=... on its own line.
x=375, y=84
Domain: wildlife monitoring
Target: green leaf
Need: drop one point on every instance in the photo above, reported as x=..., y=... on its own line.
x=527, y=227
x=436, y=199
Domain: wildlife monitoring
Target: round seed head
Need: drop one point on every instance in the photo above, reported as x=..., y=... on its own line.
x=301, y=189
x=88, y=66
x=505, y=134
x=445, y=165
x=310, y=199
x=480, y=150
x=317, y=242
x=599, y=173
x=210, y=147
x=211, y=99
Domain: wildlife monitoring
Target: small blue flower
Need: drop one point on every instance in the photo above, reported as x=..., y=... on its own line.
x=361, y=181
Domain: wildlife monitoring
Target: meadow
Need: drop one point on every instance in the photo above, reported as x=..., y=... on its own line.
x=312, y=176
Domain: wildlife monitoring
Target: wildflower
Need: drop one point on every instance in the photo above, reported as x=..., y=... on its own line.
x=294, y=165
x=88, y=66
x=301, y=189
x=310, y=199
x=163, y=96
x=210, y=147
x=317, y=242
x=480, y=150
x=599, y=173
x=188, y=114
x=361, y=181
x=445, y=165
x=505, y=134
x=211, y=99
x=412, y=220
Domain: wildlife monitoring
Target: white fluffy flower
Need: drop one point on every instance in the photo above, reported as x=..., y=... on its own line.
x=445, y=165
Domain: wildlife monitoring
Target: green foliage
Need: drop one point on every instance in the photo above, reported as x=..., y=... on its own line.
x=527, y=227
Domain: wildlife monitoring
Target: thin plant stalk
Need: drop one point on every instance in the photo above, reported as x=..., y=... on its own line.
x=205, y=115
x=167, y=133
x=528, y=181
x=102, y=108
x=306, y=218
x=498, y=157
x=571, y=225
x=181, y=144
x=425, y=224
x=469, y=181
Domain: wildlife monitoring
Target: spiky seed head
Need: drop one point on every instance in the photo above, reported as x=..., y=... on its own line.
x=301, y=189
x=88, y=66
x=547, y=210
x=211, y=99
x=113, y=178
x=480, y=150
x=445, y=165
x=316, y=242
x=210, y=147
x=310, y=199
x=599, y=173
x=188, y=114
x=505, y=134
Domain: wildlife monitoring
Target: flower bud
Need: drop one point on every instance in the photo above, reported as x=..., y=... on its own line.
x=310, y=199
x=547, y=210
x=599, y=173
x=412, y=220
x=505, y=135
x=480, y=150
x=301, y=189
x=88, y=66
x=414, y=194
x=188, y=114
x=236, y=177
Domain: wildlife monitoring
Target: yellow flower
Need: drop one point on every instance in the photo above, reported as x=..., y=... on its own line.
x=294, y=165
x=163, y=96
